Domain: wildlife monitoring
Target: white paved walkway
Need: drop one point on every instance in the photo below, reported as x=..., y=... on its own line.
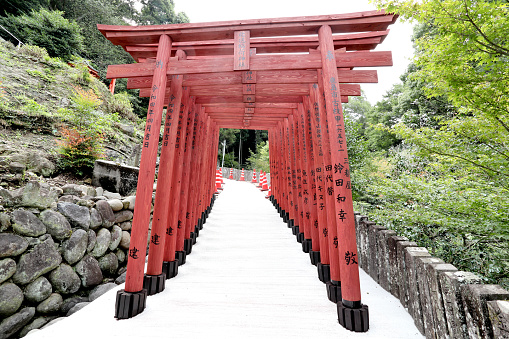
x=246, y=277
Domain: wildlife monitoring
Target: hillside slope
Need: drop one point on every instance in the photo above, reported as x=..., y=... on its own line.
x=36, y=96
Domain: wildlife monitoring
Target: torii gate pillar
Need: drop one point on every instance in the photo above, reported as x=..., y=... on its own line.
x=131, y=300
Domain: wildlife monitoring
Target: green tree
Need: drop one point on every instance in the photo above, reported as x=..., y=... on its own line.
x=160, y=12
x=259, y=160
x=47, y=29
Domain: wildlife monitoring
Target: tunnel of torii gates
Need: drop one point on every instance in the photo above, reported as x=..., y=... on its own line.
x=285, y=75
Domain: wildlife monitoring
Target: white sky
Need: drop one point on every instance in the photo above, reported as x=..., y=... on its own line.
x=398, y=40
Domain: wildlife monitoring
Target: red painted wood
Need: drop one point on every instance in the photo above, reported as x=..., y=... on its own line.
x=139, y=231
x=241, y=50
x=345, y=218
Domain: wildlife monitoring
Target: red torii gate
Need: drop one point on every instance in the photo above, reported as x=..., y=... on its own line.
x=285, y=75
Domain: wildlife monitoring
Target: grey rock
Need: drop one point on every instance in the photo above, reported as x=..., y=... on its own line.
x=106, y=213
x=111, y=195
x=108, y=263
x=95, y=218
x=403, y=288
x=414, y=301
x=12, y=245
x=121, y=278
x=102, y=244
x=126, y=225
x=89, y=271
x=131, y=201
x=37, y=241
x=41, y=260
x=122, y=216
x=77, y=307
x=16, y=167
x=125, y=241
x=72, y=189
x=92, y=240
x=384, y=274
x=51, y=304
x=393, y=263
x=7, y=269
x=34, y=325
x=116, y=205
x=425, y=311
x=15, y=322
x=5, y=222
x=56, y=224
x=70, y=303
x=26, y=223
x=74, y=248
x=79, y=216
x=100, y=290
x=116, y=237
x=85, y=203
x=38, y=290
x=69, y=198
x=32, y=195
x=120, y=255
x=64, y=279
x=99, y=191
x=44, y=167
x=11, y=298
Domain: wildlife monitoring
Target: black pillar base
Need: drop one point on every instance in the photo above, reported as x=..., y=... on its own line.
x=130, y=304
x=295, y=230
x=193, y=237
x=154, y=283
x=197, y=229
x=323, y=272
x=188, y=246
x=314, y=256
x=334, y=291
x=284, y=216
x=306, y=245
x=290, y=223
x=353, y=319
x=300, y=237
x=171, y=268
x=181, y=257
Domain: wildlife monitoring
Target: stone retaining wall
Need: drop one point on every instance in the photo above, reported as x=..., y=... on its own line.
x=444, y=302
x=60, y=248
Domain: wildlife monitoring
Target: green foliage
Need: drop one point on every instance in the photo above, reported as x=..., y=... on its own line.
x=39, y=53
x=46, y=29
x=259, y=160
x=229, y=160
x=121, y=105
x=160, y=12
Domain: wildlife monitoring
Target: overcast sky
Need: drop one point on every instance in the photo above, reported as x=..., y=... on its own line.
x=398, y=40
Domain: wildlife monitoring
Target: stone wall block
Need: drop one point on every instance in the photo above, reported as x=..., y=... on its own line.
x=475, y=299
x=102, y=243
x=122, y=216
x=364, y=245
x=402, y=271
x=125, y=241
x=108, y=264
x=64, y=280
x=26, y=223
x=425, y=310
x=51, y=305
x=56, y=224
x=498, y=311
x=373, y=231
x=116, y=237
x=384, y=274
x=11, y=298
x=96, y=219
x=78, y=216
x=435, y=289
x=89, y=271
x=15, y=322
x=414, y=303
x=7, y=269
x=12, y=245
x=106, y=212
x=74, y=248
x=38, y=290
x=116, y=204
x=393, y=263
x=43, y=258
x=450, y=284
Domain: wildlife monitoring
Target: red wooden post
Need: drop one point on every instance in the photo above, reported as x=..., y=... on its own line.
x=351, y=313
x=299, y=228
x=131, y=301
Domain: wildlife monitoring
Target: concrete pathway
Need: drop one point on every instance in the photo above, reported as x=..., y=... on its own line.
x=246, y=277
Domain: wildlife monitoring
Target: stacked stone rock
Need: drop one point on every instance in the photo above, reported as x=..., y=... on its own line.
x=444, y=302
x=56, y=245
